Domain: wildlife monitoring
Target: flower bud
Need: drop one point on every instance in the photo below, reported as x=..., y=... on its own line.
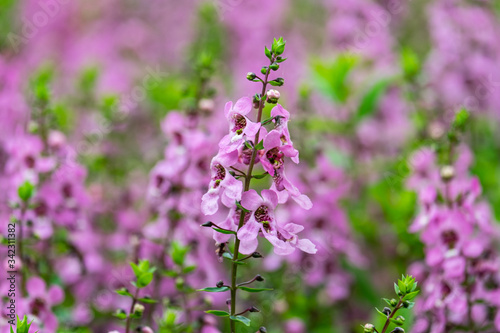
x=394, y=302
x=256, y=255
x=447, y=173
x=256, y=101
x=386, y=311
x=263, y=70
x=251, y=76
x=262, y=330
x=138, y=309
x=259, y=278
x=253, y=309
x=369, y=328
x=273, y=96
x=206, y=104
x=220, y=284
x=400, y=320
x=144, y=329
x=398, y=330
x=274, y=67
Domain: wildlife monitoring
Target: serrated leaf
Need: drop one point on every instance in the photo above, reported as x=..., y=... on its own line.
x=218, y=313
x=214, y=289
x=241, y=319
x=254, y=290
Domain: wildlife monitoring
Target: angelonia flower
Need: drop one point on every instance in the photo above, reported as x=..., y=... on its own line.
x=460, y=279
x=248, y=145
x=225, y=187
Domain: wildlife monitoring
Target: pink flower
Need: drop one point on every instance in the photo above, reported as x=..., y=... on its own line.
x=239, y=125
x=282, y=117
x=273, y=163
x=262, y=219
x=222, y=185
x=40, y=301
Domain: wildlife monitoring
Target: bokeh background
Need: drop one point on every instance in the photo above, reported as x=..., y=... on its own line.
x=114, y=110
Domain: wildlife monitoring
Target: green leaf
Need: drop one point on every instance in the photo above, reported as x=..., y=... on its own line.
x=218, y=313
x=147, y=300
x=370, y=100
x=238, y=204
x=135, y=268
x=227, y=255
x=275, y=83
x=281, y=60
x=410, y=63
x=241, y=319
x=268, y=53
x=224, y=231
x=144, y=279
x=189, y=269
x=123, y=292
x=411, y=296
x=260, y=146
x=402, y=286
x=254, y=290
x=381, y=313
x=263, y=175
x=178, y=253
x=332, y=78
x=120, y=315
x=25, y=191
x=214, y=289
x=396, y=289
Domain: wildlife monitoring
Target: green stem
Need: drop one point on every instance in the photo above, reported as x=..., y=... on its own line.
x=129, y=319
x=392, y=315
x=248, y=179
x=20, y=248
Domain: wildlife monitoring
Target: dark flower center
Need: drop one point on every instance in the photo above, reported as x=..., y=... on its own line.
x=239, y=123
x=262, y=215
x=449, y=237
x=220, y=174
x=30, y=161
x=275, y=157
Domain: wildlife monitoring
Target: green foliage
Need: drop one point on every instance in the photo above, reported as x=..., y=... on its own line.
x=26, y=191
x=143, y=273
x=332, y=77
x=23, y=326
x=410, y=63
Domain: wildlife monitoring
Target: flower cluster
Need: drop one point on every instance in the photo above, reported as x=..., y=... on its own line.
x=460, y=272
x=239, y=149
x=252, y=214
